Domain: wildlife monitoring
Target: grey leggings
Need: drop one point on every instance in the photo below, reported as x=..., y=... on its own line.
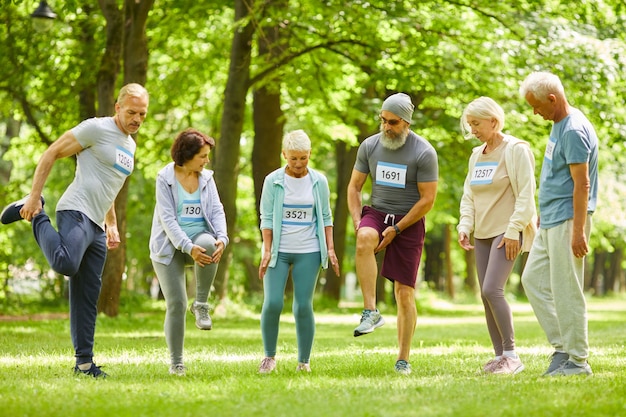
x=493, y=272
x=174, y=286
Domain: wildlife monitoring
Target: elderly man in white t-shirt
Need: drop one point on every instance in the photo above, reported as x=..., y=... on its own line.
x=85, y=216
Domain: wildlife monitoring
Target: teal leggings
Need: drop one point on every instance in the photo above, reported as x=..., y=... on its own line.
x=306, y=267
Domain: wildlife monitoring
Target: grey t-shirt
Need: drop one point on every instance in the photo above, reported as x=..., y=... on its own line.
x=107, y=158
x=395, y=173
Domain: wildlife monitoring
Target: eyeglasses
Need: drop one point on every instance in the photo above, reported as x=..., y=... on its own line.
x=390, y=122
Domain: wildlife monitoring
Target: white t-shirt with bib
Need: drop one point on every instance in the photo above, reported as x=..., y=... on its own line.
x=107, y=158
x=298, y=234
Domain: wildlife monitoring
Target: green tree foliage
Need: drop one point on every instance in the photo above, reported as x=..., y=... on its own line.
x=333, y=64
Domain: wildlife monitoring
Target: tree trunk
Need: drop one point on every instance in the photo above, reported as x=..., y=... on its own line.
x=523, y=258
x=433, y=265
x=470, y=281
x=269, y=123
x=227, y=149
x=597, y=273
x=345, y=155
x=615, y=271
x=448, y=260
x=268, y=117
x=135, y=71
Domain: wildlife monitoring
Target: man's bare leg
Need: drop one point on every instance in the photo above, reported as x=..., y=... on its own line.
x=407, y=318
x=366, y=268
x=367, y=272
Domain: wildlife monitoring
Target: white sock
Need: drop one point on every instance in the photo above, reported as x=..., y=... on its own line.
x=510, y=354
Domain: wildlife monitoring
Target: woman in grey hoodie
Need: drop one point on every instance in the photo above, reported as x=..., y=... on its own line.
x=188, y=228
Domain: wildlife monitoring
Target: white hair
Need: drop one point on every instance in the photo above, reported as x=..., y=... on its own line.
x=483, y=108
x=541, y=84
x=296, y=140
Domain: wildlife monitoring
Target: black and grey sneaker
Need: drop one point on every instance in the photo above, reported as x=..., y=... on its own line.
x=570, y=368
x=93, y=371
x=11, y=213
x=558, y=359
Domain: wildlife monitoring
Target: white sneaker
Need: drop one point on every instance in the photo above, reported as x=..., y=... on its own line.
x=267, y=365
x=178, y=369
x=490, y=366
x=303, y=367
x=508, y=365
x=201, y=312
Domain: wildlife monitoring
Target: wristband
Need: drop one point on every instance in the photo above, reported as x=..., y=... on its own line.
x=397, y=229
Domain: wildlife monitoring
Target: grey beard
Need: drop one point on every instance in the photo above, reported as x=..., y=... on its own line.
x=393, y=143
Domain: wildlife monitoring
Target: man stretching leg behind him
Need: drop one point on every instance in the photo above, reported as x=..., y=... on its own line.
x=86, y=216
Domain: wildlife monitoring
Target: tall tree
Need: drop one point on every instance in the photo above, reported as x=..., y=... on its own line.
x=227, y=151
x=135, y=56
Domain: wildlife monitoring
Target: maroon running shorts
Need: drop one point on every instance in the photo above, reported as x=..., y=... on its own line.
x=403, y=254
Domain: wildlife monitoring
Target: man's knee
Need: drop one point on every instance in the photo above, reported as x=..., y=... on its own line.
x=367, y=240
x=405, y=295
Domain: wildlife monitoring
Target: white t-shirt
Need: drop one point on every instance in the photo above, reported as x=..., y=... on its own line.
x=298, y=231
x=107, y=158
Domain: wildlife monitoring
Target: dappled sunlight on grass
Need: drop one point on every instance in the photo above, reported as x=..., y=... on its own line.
x=447, y=354
x=19, y=330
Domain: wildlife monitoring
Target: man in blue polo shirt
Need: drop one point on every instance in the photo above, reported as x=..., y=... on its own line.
x=554, y=274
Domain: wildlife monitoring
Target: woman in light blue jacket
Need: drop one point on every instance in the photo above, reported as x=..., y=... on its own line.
x=297, y=230
x=188, y=227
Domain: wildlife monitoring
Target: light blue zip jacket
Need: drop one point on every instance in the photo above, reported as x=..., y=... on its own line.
x=167, y=236
x=272, y=198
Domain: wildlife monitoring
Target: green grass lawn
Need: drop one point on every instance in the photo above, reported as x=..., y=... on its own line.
x=351, y=376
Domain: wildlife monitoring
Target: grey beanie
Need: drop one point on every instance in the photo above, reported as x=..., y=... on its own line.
x=400, y=105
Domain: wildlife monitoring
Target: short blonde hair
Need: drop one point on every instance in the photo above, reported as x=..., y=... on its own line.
x=132, y=90
x=541, y=84
x=296, y=140
x=484, y=108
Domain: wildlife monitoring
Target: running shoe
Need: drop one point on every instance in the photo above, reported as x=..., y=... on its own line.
x=267, y=365
x=370, y=320
x=201, y=312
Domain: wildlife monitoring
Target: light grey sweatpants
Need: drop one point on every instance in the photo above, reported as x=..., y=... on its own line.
x=554, y=282
x=173, y=284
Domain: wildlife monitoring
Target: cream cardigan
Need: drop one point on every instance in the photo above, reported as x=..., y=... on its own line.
x=520, y=165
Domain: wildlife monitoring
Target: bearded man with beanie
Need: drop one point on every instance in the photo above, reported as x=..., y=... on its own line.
x=404, y=171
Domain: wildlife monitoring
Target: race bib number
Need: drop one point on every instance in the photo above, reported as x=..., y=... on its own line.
x=550, y=149
x=391, y=175
x=191, y=212
x=124, y=161
x=483, y=173
x=298, y=215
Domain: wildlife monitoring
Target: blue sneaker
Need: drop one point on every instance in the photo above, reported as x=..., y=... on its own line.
x=94, y=371
x=370, y=320
x=11, y=213
x=403, y=367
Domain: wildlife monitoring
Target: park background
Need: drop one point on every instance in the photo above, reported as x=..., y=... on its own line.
x=245, y=72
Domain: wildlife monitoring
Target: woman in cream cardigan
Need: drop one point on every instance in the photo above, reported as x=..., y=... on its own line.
x=498, y=206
